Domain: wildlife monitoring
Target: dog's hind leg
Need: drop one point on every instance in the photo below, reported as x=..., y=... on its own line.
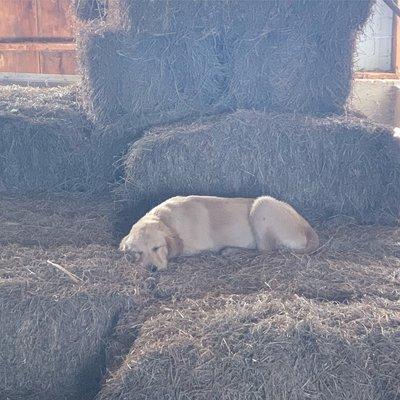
x=265, y=240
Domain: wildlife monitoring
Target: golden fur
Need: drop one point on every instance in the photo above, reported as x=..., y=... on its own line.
x=192, y=224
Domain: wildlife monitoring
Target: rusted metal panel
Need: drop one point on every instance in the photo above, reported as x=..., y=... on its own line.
x=55, y=18
x=36, y=36
x=19, y=61
x=18, y=18
x=58, y=62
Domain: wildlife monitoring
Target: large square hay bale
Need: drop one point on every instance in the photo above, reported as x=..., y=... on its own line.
x=264, y=347
x=256, y=326
x=322, y=166
x=164, y=61
x=47, y=143
x=55, y=328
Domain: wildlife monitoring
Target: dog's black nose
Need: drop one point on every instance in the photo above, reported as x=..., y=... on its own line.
x=152, y=268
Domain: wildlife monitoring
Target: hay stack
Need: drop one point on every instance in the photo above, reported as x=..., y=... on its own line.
x=48, y=145
x=164, y=68
x=322, y=166
x=180, y=59
x=251, y=326
x=54, y=331
x=222, y=322
x=42, y=134
x=264, y=347
x=38, y=156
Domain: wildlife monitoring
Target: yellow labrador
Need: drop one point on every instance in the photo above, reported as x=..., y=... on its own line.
x=190, y=225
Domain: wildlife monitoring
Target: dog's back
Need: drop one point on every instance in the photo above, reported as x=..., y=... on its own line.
x=207, y=222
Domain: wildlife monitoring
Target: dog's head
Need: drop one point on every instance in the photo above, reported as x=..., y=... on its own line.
x=151, y=243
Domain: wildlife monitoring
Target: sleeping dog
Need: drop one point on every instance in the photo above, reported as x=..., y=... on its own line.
x=192, y=224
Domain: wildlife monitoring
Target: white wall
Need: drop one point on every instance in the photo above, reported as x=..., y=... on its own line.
x=374, y=47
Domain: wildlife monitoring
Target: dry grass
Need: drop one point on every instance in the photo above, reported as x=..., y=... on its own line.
x=167, y=61
x=264, y=346
x=53, y=331
x=47, y=143
x=89, y=10
x=240, y=326
x=322, y=166
x=57, y=220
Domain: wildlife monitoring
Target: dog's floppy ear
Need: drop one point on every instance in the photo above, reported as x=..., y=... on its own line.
x=174, y=245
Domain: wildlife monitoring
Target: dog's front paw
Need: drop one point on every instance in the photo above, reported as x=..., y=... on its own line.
x=230, y=251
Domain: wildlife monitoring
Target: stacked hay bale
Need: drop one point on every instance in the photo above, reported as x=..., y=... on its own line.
x=180, y=59
x=264, y=347
x=56, y=325
x=214, y=326
x=47, y=144
x=42, y=135
x=252, y=326
x=163, y=67
x=323, y=166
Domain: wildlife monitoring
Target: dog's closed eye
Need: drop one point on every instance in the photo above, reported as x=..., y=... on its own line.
x=134, y=256
x=156, y=248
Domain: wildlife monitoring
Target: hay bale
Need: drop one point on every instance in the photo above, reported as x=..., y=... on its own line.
x=293, y=56
x=89, y=10
x=38, y=156
x=259, y=326
x=59, y=339
x=165, y=68
x=322, y=166
x=180, y=59
x=55, y=333
x=355, y=261
x=60, y=220
x=264, y=346
x=42, y=134
x=48, y=145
